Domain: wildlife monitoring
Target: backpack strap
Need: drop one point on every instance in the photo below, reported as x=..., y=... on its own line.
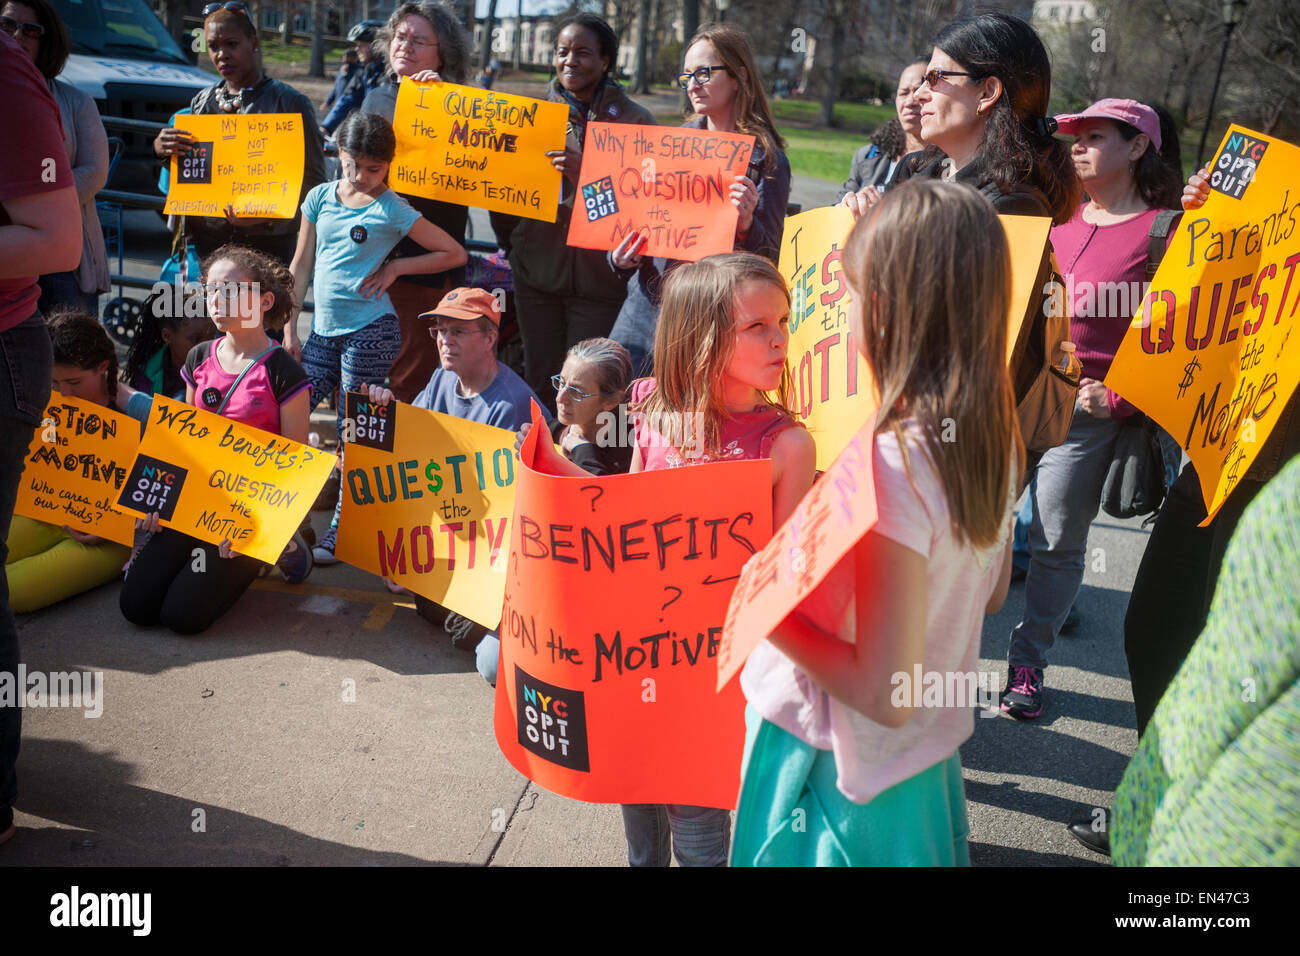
x=1157, y=238
x=247, y=368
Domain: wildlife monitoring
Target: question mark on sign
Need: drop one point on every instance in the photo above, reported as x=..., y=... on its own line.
x=670, y=587
x=515, y=564
x=599, y=492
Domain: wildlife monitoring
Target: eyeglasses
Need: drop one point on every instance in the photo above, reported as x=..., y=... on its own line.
x=932, y=77
x=233, y=5
x=11, y=26
x=452, y=332
x=561, y=386
x=700, y=76
x=411, y=40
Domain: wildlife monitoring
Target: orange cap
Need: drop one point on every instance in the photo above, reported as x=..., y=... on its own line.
x=467, y=305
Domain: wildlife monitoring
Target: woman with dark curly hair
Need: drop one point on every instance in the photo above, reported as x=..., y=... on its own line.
x=422, y=41
x=874, y=164
x=984, y=104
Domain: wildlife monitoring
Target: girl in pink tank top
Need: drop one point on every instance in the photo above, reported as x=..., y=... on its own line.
x=720, y=395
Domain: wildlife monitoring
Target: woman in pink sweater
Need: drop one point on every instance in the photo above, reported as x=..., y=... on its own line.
x=1126, y=154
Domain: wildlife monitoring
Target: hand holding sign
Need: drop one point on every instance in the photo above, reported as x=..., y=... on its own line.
x=616, y=591
x=241, y=166
x=681, y=187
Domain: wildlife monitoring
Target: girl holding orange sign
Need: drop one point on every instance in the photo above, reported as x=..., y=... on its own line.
x=720, y=361
x=839, y=770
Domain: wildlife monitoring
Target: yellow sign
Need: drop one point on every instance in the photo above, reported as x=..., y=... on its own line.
x=1209, y=354
x=478, y=148
x=253, y=161
x=75, y=467
x=427, y=501
x=834, y=392
x=215, y=478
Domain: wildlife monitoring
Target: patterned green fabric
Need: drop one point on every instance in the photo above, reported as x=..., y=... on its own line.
x=1215, y=780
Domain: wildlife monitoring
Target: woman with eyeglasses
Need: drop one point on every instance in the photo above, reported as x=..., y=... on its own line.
x=563, y=294
x=422, y=41
x=984, y=117
x=38, y=30
x=235, y=50
x=726, y=93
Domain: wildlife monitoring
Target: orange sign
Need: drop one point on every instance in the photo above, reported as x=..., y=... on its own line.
x=253, y=161
x=672, y=184
x=616, y=591
x=75, y=467
x=834, y=515
x=478, y=148
x=834, y=393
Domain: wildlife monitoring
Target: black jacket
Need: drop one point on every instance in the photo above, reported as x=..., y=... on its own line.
x=1025, y=200
x=539, y=254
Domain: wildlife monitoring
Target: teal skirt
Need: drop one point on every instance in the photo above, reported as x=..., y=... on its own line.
x=791, y=813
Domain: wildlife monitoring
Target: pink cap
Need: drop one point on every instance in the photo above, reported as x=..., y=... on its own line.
x=1138, y=115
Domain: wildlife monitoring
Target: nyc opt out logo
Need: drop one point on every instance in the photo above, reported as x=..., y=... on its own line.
x=153, y=485
x=1237, y=165
x=552, y=721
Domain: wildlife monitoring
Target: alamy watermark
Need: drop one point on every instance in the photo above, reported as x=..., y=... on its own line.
x=931, y=689
x=75, y=690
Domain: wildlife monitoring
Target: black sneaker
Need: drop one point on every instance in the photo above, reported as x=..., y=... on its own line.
x=7, y=828
x=1073, y=620
x=295, y=561
x=1023, y=696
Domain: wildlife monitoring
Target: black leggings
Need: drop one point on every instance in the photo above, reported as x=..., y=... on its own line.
x=171, y=585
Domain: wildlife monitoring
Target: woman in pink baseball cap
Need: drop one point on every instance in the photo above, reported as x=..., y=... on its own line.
x=1126, y=155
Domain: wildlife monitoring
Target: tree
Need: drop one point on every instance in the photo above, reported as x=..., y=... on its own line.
x=317, y=67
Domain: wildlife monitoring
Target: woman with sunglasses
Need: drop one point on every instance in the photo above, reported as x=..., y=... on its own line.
x=235, y=51
x=726, y=94
x=984, y=116
x=563, y=294
x=38, y=30
x=421, y=41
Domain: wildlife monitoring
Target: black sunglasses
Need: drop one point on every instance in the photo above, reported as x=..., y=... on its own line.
x=932, y=77
x=700, y=76
x=234, y=5
x=11, y=26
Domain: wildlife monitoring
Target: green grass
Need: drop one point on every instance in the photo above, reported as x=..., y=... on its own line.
x=273, y=52
x=821, y=153
x=851, y=117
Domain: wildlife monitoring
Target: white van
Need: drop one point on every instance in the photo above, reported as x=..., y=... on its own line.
x=123, y=57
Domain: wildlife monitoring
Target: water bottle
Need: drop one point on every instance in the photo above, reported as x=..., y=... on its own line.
x=1068, y=363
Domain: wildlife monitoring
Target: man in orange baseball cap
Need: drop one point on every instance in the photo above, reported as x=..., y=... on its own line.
x=472, y=383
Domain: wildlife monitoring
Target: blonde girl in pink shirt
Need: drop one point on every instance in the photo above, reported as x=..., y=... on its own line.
x=840, y=769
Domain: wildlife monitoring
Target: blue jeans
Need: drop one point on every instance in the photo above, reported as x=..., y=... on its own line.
x=1066, y=494
x=486, y=656
x=697, y=836
x=25, y=372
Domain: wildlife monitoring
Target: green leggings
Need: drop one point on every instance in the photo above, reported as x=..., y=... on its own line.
x=47, y=565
